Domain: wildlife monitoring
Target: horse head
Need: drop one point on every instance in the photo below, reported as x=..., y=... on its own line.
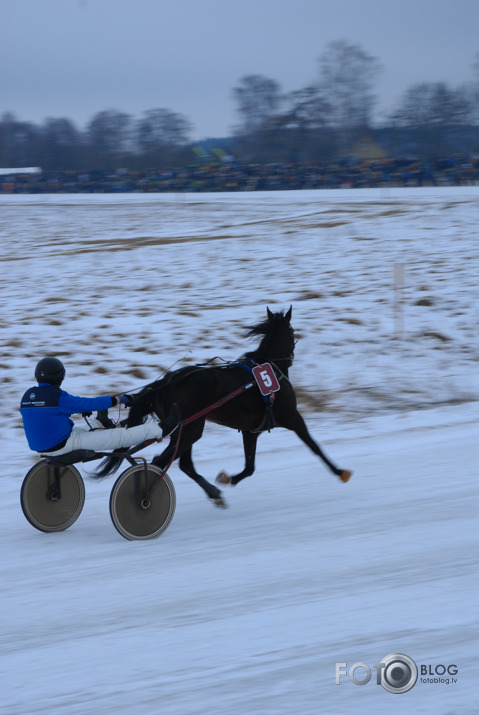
x=278, y=340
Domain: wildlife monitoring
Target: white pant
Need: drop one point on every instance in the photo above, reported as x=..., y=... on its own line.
x=103, y=440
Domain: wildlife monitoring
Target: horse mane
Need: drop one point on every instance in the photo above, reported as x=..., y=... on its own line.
x=265, y=327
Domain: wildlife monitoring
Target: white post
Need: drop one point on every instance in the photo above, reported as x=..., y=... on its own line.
x=399, y=272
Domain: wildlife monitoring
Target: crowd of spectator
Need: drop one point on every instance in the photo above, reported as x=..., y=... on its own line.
x=233, y=176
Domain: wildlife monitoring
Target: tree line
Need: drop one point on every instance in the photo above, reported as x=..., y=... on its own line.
x=316, y=123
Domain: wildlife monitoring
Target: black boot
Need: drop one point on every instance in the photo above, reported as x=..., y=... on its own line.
x=102, y=417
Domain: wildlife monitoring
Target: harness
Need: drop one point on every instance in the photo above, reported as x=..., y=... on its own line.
x=255, y=369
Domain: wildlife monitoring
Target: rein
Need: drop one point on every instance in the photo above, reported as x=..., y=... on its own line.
x=197, y=416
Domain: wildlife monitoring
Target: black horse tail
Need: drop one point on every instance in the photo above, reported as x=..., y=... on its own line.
x=110, y=464
x=140, y=408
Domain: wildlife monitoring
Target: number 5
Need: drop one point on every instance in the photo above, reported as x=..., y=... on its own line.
x=267, y=381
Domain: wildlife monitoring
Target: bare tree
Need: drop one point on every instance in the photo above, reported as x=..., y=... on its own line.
x=432, y=103
x=307, y=109
x=160, y=128
x=434, y=120
x=346, y=79
x=300, y=133
x=109, y=135
x=61, y=144
x=472, y=90
x=258, y=98
x=19, y=142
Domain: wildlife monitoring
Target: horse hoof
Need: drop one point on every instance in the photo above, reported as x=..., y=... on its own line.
x=220, y=502
x=345, y=475
x=223, y=478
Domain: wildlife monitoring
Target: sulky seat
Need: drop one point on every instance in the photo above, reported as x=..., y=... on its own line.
x=77, y=455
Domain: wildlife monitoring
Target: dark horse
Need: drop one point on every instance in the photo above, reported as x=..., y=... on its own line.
x=195, y=389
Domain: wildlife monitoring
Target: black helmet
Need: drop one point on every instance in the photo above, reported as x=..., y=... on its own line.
x=50, y=370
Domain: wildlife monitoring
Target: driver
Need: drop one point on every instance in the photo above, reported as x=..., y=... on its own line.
x=46, y=411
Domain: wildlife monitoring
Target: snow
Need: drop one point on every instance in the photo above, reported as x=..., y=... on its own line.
x=248, y=610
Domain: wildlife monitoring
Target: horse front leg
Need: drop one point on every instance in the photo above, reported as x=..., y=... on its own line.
x=186, y=465
x=250, y=440
x=298, y=425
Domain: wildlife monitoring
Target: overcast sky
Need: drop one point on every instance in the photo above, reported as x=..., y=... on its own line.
x=74, y=58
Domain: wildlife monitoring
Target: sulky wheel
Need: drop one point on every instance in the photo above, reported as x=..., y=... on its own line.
x=141, y=507
x=52, y=497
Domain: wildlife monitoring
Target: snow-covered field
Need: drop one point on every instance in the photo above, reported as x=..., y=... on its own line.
x=248, y=610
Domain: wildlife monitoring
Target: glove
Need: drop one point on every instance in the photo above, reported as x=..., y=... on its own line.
x=126, y=400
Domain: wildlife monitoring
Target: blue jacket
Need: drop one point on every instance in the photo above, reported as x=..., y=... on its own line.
x=46, y=411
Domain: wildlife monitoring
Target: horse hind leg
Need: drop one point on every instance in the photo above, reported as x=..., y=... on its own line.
x=186, y=465
x=298, y=426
